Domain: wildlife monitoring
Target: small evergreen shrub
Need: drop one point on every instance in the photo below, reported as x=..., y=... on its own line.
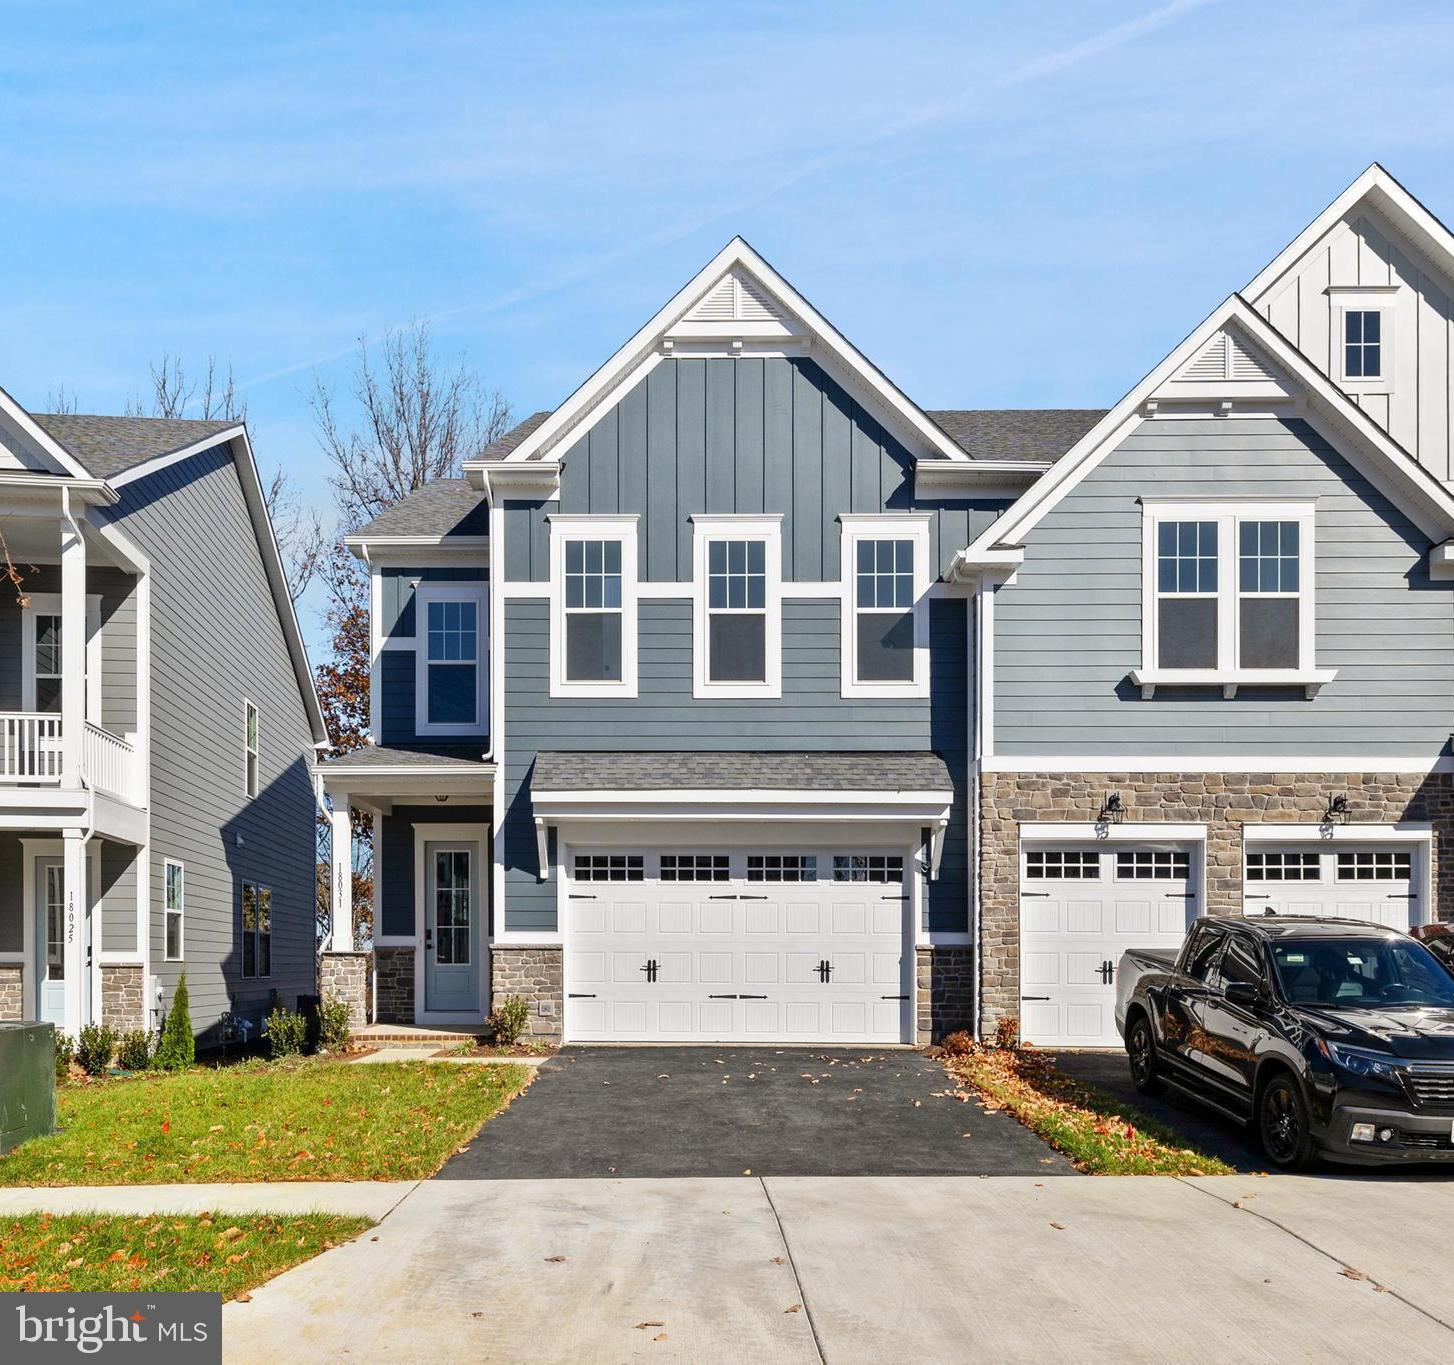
x=334, y=1028
x=177, y=1048
x=287, y=1033
x=94, y=1048
x=133, y=1050
x=65, y=1055
x=508, y=1021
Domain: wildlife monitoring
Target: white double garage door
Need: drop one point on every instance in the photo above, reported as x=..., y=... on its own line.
x=728, y=946
x=1083, y=902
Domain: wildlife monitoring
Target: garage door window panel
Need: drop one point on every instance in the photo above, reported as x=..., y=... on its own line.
x=1380, y=865
x=1284, y=867
x=695, y=867
x=867, y=867
x=1063, y=864
x=1152, y=865
x=609, y=867
x=782, y=867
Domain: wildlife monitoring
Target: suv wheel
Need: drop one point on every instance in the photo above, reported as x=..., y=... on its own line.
x=1141, y=1049
x=1282, y=1121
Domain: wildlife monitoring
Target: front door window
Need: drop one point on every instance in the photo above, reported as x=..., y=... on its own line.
x=452, y=907
x=55, y=919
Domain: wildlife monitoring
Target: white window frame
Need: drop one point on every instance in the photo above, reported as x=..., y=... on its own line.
x=1228, y=672
x=575, y=526
x=1363, y=299
x=911, y=526
x=252, y=780
x=707, y=528
x=49, y=604
x=180, y=911
x=425, y=593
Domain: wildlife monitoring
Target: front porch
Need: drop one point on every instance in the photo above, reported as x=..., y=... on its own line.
x=426, y=960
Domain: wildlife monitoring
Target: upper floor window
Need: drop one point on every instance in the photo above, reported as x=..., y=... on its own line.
x=250, y=747
x=1362, y=343
x=737, y=620
x=174, y=891
x=885, y=566
x=450, y=671
x=593, y=606
x=1229, y=595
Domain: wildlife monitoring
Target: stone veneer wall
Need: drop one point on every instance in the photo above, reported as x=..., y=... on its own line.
x=345, y=976
x=1223, y=802
x=538, y=976
x=12, y=991
x=945, y=999
x=123, y=995
x=394, y=989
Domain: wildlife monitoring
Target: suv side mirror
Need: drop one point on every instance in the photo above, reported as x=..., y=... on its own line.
x=1242, y=992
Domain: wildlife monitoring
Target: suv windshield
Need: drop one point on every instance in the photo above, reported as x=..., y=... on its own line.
x=1376, y=972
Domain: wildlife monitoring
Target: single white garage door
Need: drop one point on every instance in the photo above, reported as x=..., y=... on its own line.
x=1376, y=883
x=1081, y=907
x=735, y=946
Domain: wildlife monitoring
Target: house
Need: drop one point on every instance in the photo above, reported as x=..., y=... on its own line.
x=741, y=698
x=157, y=732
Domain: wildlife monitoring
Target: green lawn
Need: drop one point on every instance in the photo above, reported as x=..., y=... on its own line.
x=309, y=1120
x=227, y=1253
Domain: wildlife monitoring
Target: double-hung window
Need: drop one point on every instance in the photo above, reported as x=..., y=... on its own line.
x=593, y=606
x=250, y=748
x=174, y=891
x=257, y=930
x=450, y=659
x=1229, y=596
x=737, y=615
x=885, y=568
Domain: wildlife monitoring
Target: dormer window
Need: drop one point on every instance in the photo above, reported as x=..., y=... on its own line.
x=1362, y=343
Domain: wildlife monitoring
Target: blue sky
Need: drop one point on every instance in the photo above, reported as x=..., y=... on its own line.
x=1002, y=204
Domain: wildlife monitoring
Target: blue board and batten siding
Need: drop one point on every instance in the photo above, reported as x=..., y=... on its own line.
x=1068, y=629
x=749, y=436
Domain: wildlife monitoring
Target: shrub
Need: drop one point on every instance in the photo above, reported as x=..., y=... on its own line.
x=177, y=1048
x=287, y=1033
x=507, y=1020
x=958, y=1044
x=334, y=1028
x=65, y=1055
x=94, y=1048
x=1007, y=1033
x=133, y=1050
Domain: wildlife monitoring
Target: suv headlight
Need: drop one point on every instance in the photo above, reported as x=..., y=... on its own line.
x=1360, y=1061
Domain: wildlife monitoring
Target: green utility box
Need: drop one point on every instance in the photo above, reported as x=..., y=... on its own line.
x=27, y=1082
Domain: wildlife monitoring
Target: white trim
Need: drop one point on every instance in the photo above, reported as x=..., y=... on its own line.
x=48, y=846
x=1051, y=831
x=42, y=438
x=425, y=593
x=729, y=527
x=1214, y=763
x=1363, y=299
x=160, y=462
x=1228, y=672
x=1403, y=832
x=252, y=773
x=643, y=349
x=729, y=797
x=912, y=526
x=478, y=835
x=49, y=604
x=376, y=646
x=180, y=911
x=589, y=527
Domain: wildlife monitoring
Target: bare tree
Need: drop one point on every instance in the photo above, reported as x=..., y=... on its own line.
x=302, y=541
x=212, y=398
x=418, y=421
x=60, y=399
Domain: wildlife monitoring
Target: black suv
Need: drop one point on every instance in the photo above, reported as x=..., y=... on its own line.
x=1332, y=1036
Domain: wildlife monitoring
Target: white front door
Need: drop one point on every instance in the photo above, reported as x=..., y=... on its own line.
x=1081, y=907
x=724, y=946
x=1377, y=883
x=50, y=919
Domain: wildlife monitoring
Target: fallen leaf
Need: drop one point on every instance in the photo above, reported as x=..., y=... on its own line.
x=918, y=1104
x=650, y=1322
x=477, y=1315
x=555, y=1259
x=166, y=1125
x=373, y=1239
x=243, y=1298
x=1349, y=1273
x=778, y=1260
x=1059, y=1227
x=796, y=1308
x=660, y=1336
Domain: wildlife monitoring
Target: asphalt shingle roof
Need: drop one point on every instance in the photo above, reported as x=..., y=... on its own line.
x=446, y=507
x=572, y=770
x=1030, y=434
x=373, y=756
x=111, y=445
x=513, y=437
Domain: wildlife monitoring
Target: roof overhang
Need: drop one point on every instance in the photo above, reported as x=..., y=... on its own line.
x=45, y=492
x=975, y=478
x=408, y=550
x=380, y=785
x=538, y=481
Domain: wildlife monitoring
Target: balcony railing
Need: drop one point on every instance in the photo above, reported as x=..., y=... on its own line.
x=30, y=747
x=32, y=753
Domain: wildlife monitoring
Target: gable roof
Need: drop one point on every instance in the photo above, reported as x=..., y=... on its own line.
x=497, y=450
x=1387, y=196
x=1427, y=501
x=564, y=770
x=765, y=305
x=446, y=507
x=110, y=445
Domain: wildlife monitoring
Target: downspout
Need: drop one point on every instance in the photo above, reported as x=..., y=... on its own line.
x=972, y=608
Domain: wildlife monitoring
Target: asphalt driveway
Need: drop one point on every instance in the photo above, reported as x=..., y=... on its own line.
x=658, y=1112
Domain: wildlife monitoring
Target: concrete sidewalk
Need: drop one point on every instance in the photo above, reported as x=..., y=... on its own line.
x=847, y=1269
x=362, y=1198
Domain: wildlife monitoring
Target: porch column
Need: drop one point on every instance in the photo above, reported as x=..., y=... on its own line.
x=340, y=937
x=73, y=650
x=73, y=930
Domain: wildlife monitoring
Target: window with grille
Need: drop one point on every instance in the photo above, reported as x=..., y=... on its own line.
x=1380, y=865
x=694, y=867
x=593, y=610
x=1362, y=343
x=1063, y=864
x=1186, y=594
x=782, y=867
x=867, y=867
x=610, y=867
x=1152, y=865
x=1284, y=867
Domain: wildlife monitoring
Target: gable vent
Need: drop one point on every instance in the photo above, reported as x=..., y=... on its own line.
x=1210, y=364
x=1245, y=363
x=737, y=299
x=1227, y=356
x=719, y=306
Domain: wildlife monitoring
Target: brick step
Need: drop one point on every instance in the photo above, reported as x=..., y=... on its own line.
x=417, y=1039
